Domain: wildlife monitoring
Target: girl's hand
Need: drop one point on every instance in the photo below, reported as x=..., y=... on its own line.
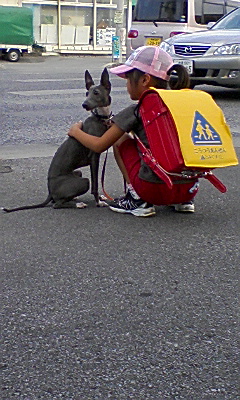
x=74, y=129
x=95, y=143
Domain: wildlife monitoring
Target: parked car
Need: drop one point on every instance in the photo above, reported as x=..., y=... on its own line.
x=156, y=20
x=213, y=56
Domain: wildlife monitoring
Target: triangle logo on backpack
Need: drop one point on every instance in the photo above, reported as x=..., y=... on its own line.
x=203, y=133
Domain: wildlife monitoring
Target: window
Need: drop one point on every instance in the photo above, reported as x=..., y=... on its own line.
x=232, y=21
x=209, y=11
x=76, y=26
x=161, y=11
x=106, y=27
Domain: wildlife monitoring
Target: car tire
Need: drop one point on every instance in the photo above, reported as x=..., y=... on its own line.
x=13, y=55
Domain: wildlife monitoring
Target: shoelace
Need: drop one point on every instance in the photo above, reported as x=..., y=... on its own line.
x=130, y=204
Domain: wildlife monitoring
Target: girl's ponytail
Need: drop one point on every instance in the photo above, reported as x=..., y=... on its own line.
x=182, y=81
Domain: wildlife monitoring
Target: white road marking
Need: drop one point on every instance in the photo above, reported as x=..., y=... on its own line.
x=56, y=92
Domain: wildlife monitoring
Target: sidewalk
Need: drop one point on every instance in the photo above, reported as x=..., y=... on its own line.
x=12, y=152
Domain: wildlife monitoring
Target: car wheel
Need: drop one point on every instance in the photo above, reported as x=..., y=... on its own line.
x=13, y=55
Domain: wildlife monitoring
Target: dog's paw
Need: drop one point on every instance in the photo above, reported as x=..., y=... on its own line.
x=102, y=204
x=81, y=205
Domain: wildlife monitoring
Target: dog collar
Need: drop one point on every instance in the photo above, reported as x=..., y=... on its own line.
x=107, y=117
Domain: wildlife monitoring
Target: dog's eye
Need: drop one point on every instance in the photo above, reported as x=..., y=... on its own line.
x=95, y=92
x=87, y=93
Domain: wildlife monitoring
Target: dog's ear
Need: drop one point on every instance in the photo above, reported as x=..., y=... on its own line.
x=105, y=80
x=88, y=80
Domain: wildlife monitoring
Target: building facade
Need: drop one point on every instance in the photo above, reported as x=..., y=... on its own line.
x=80, y=27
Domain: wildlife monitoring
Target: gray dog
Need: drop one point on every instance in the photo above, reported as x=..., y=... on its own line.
x=64, y=182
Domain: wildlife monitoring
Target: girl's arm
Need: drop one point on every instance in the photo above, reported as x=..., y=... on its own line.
x=97, y=144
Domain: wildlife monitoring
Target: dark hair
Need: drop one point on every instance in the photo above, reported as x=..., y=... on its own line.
x=181, y=82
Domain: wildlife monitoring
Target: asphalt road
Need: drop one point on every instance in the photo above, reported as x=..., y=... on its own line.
x=97, y=305
x=41, y=97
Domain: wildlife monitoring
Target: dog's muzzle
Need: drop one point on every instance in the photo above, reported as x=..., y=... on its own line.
x=86, y=106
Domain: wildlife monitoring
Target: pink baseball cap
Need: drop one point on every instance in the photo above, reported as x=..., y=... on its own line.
x=149, y=59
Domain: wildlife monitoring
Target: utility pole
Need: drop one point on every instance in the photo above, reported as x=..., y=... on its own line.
x=118, y=39
x=59, y=22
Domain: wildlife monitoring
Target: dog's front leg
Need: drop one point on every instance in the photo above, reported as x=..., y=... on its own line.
x=94, y=167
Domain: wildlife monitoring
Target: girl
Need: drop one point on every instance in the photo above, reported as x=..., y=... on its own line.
x=148, y=66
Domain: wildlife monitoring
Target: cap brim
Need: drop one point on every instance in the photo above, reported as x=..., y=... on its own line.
x=121, y=70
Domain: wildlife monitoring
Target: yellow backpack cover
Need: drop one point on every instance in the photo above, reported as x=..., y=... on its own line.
x=204, y=136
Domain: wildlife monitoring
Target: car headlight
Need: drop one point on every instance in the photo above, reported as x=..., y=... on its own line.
x=228, y=49
x=169, y=48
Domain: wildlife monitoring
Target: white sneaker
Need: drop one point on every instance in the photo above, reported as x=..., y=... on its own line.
x=185, y=207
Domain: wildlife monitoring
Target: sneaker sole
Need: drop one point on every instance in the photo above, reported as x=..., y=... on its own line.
x=187, y=210
x=148, y=213
x=136, y=213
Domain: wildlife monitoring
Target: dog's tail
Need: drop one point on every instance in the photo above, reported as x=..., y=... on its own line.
x=43, y=204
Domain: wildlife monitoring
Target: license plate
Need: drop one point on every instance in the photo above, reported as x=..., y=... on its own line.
x=153, y=41
x=188, y=64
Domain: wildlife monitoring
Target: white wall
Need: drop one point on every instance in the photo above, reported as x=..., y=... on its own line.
x=10, y=3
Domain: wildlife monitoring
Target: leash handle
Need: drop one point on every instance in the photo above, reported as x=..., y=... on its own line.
x=103, y=176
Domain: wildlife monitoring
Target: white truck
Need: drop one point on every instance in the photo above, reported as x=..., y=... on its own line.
x=16, y=32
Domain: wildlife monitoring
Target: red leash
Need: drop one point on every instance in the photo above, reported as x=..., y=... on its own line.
x=103, y=176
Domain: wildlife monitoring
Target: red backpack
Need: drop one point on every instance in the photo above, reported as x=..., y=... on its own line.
x=165, y=156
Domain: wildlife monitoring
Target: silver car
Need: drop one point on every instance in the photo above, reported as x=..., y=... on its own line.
x=211, y=57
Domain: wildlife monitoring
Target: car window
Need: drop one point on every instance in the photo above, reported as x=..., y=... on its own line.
x=163, y=10
x=231, y=21
x=209, y=11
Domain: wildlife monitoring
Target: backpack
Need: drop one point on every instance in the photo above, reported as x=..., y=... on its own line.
x=187, y=135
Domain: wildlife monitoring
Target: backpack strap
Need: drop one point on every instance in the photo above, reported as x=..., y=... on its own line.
x=148, y=158
x=214, y=181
